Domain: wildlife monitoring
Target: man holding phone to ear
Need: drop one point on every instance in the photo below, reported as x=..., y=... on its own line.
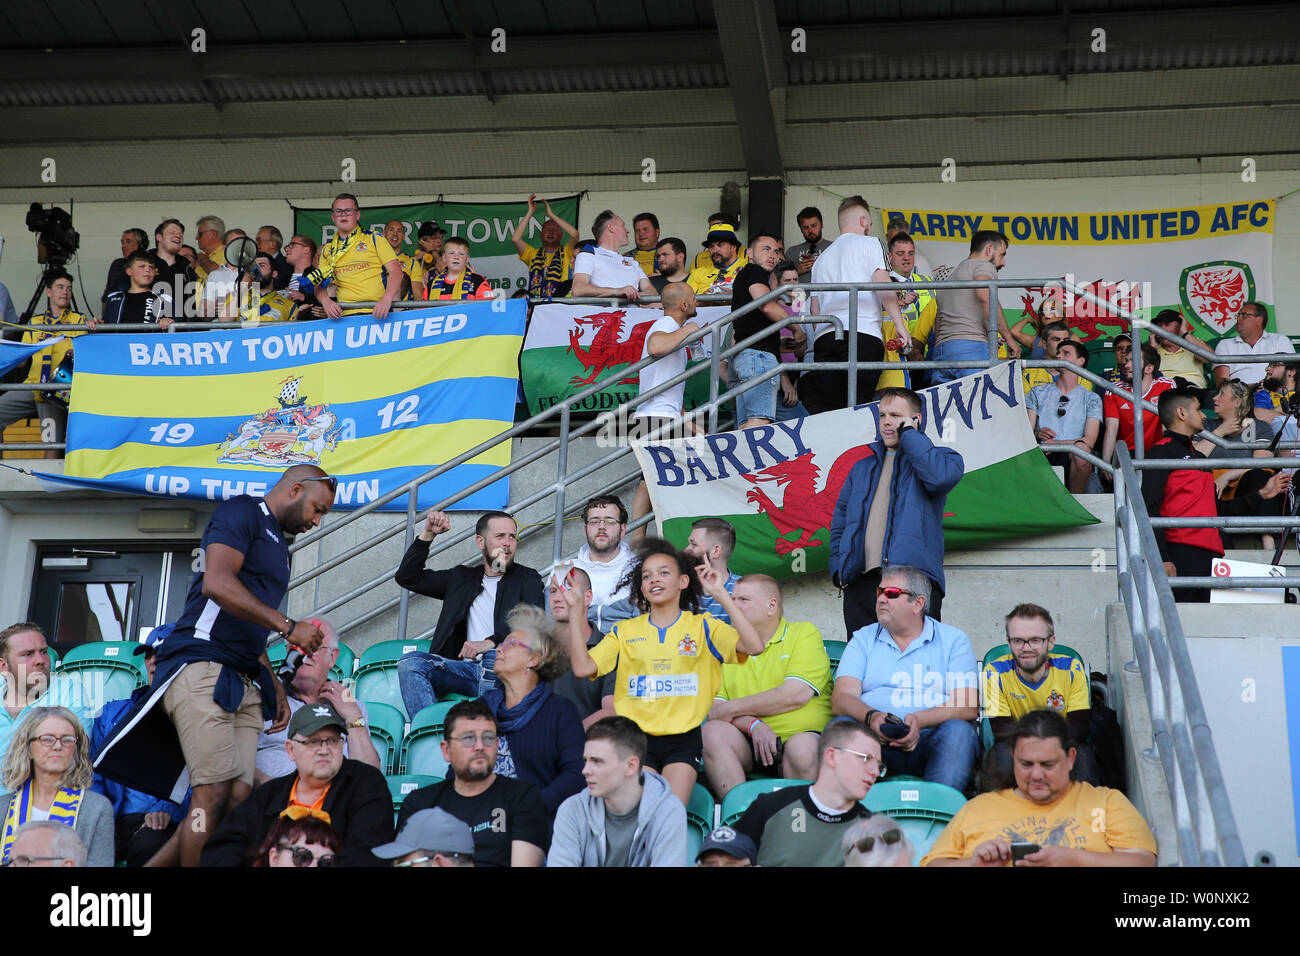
x=890, y=510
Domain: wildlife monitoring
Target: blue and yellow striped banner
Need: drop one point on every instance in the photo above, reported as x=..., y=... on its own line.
x=211, y=415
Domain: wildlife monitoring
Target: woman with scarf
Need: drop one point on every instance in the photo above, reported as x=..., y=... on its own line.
x=47, y=772
x=540, y=737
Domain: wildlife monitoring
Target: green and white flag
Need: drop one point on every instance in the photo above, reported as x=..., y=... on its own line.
x=778, y=484
x=569, y=347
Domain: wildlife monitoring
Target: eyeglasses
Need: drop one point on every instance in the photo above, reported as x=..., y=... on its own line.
x=315, y=743
x=1026, y=641
x=602, y=522
x=893, y=593
x=328, y=479
x=516, y=641
x=29, y=860
x=868, y=760
x=1062, y=406
x=49, y=740
x=418, y=859
x=889, y=838
x=302, y=856
x=344, y=212
x=468, y=740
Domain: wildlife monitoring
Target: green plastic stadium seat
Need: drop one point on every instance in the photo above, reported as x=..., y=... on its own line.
x=387, y=733
x=422, y=752
x=107, y=670
x=376, y=676
x=835, y=650
x=699, y=821
x=738, y=798
x=347, y=662
x=986, y=728
x=922, y=809
x=399, y=785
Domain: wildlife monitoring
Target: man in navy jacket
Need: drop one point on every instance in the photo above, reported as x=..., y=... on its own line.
x=890, y=510
x=475, y=603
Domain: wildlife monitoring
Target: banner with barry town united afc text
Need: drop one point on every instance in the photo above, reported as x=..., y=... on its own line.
x=487, y=226
x=570, y=347
x=778, y=484
x=1205, y=261
x=211, y=415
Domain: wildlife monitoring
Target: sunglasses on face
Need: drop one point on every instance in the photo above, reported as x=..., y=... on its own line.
x=302, y=856
x=893, y=593
x=888, y=838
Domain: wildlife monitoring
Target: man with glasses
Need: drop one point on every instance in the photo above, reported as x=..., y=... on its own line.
x=1064, y=411
x=361, y=265
x=47, y=843
x=1251, y=339
x=606, y=558
x=354, y=795
x=430, y=838
x=912, y=680
x=1030, y=677
x=475, y=604
x=803, y=826
x=214, y=686
x=506, y=816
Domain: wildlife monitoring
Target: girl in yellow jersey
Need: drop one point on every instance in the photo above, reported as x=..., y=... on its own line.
x=669, y=660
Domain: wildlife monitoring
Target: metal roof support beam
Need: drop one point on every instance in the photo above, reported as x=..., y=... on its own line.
x=751, y=51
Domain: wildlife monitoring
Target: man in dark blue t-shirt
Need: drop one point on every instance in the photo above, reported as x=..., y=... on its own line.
x=214, y=679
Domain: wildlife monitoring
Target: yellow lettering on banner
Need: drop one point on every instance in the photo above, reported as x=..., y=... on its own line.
x=1093, y=228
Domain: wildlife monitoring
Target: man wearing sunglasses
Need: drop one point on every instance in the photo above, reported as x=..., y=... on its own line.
x=912, y=680
x=430, y=837
x=1064, y=411
x=353, y=794
x=803, y=825
x=214, y=686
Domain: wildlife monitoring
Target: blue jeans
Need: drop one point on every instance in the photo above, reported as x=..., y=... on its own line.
x=955, y=350
x=759, y=401
x=944, y=754
x=427, y=678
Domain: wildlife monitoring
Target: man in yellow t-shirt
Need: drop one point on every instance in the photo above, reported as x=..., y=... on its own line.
x=552, y=265
x=770, y=711
x=1046, y=819
x=726, y=259
x=361, y=265
x=645, y=231
x=669, y=659
x=1030, y=677
x=16, y=405
x=412, y=267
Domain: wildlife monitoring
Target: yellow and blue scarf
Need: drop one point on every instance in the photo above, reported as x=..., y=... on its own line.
x=67, y=802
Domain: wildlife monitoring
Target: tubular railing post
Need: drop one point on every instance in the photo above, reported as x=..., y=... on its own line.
x=714, y=370
x=404, y=598
x=561, y=473
x=993, y=323
x=852, y=333
x=1135, y=361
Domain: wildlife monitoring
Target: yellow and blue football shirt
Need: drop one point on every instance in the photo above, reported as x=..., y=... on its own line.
x=1064, y=688
x=356, y=265
x=667, y=678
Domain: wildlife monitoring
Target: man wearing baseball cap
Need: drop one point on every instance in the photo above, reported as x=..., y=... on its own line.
x=351, y=796
x=725, y=263
x=430, y=837
x=725, y=847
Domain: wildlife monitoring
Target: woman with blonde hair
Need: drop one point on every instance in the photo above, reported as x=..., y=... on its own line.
x=47, y=771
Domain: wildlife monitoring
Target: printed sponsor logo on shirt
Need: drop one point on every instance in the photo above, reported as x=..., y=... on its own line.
x=634, y=640
x=661, y=666
x=648, y=687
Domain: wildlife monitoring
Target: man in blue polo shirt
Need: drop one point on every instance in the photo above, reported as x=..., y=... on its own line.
x=214, y=685
x=910, y=666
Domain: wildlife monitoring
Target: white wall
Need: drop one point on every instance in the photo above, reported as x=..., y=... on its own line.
x=682, y=212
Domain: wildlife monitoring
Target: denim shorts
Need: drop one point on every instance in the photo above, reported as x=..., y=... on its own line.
x=759, y=401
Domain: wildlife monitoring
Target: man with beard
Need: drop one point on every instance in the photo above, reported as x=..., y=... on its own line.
x=806, y=252
x=1030, y=677
x=551, y=266
x=475, y=603
x=25, y=680
x=506, y=816
x=214, y=687
x=606, y=558
x=1273, y=394
x=725, y=262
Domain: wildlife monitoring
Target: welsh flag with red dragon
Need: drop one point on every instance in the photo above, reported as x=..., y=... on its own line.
x=778, y=484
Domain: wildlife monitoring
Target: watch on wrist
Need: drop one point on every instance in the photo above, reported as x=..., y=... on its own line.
x=359, y=722
x=289, y=625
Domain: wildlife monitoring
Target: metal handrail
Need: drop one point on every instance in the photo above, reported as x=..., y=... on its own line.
x=1203, y=818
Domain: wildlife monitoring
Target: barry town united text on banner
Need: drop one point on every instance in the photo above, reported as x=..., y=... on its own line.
x=486, y=225
x=777, y=484
x=1205, y=261
x=211, y=415
x=570, y=347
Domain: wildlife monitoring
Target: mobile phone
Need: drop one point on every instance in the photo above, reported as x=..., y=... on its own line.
x=895, y=728
x=1021, y=850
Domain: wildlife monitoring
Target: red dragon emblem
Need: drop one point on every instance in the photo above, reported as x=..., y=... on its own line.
x=1084, y=316
x=606, y=350
x=1218, y=295
x=804, y=509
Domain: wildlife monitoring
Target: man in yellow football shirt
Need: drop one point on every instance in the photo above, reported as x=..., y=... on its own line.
x=16, y=405
x=552, y=265
x=645, y=233
x=361, y=265
x=725, y=261
x=769, y=712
